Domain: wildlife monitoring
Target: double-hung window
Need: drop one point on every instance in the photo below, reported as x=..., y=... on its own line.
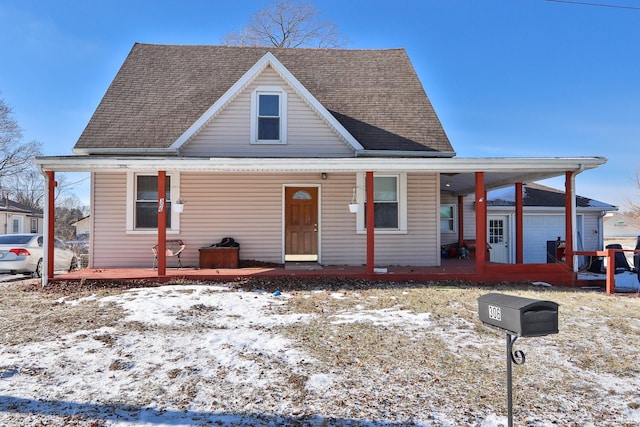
x=269, y=120
x=448, y=218
x=389, y=203
x=268, y=117
x=147, y=201
x=142, y=202
x=385, y=202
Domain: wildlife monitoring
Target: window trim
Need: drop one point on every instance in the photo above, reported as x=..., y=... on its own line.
x=454, y=217
x=402, y=203
x=268, y=90
x=17, y=224
x=131, y=203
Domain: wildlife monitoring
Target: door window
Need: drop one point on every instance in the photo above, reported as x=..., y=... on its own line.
x=496, y=231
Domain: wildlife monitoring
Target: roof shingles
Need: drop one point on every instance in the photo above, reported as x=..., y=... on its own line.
x=161, y=90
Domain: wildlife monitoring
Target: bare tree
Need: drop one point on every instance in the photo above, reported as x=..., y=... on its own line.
x=15, y=155
x=287, y=23
x=68, y=210
x=633, y=203
x=26, y=188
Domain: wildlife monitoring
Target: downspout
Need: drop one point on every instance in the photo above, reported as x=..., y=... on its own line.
x=572, y=228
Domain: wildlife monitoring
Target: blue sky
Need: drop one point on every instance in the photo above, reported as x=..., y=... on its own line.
x=508, y=78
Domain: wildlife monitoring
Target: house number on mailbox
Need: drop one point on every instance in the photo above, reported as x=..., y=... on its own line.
x=495, y=313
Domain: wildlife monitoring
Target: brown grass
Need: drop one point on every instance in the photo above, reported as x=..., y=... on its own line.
x=30, y=314
x=385, y=372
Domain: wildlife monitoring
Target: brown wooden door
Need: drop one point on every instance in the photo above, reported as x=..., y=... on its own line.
x=301, y=224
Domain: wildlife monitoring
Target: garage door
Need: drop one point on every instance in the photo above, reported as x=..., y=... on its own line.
x=538, y=229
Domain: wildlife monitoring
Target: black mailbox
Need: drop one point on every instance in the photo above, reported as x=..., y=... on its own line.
x=524, y=317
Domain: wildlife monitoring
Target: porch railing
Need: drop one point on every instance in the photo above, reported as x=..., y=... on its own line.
x=610, y=255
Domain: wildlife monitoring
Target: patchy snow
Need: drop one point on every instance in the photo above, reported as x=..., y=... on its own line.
x=215, y=340
x=390, y=316
x=627, y=281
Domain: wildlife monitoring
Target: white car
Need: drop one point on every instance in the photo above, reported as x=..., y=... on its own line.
x=22, y=253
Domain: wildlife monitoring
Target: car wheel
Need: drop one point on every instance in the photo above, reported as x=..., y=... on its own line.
x=38, y=272
x=74, y=264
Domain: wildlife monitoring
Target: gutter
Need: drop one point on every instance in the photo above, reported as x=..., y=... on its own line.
x=399, y=153
x=535, y=166
x=125, y=152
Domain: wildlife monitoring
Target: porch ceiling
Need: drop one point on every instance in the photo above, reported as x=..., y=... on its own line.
x=457, y=174
x=464, y=183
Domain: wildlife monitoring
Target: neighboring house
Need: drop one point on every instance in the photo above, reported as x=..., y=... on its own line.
x=544, y=223
x=16, y=218
x=82, y=226
x=270, y=146
x=620, y=228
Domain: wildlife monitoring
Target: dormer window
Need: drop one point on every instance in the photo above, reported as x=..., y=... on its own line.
x=268, y=117
x=268, y=111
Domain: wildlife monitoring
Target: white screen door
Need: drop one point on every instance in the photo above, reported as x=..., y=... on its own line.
x=498, y=228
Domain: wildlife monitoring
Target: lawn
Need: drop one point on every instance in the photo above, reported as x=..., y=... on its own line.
x=308, y=352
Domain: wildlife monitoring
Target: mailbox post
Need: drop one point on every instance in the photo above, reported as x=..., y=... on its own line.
x=518, y=317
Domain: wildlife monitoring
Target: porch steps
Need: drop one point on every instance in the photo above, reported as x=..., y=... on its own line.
x=302, y=265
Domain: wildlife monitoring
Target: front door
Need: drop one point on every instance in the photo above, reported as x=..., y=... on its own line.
x=498, y=228
x=301, y=224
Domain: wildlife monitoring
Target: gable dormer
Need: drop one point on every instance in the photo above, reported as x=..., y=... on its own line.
x=267, y=113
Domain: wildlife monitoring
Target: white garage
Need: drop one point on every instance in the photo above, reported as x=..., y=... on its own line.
x=538, y=230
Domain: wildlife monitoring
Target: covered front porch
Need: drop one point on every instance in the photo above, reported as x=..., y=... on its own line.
x=450, y=269
x=458, y=175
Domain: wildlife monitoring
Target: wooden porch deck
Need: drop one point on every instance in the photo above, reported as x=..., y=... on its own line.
x=450, y=269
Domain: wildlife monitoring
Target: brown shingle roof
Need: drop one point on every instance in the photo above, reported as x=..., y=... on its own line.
x=161, y=90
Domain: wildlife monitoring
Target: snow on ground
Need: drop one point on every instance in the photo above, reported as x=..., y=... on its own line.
x=136, y=369
x=223, y=345
x=627, y=282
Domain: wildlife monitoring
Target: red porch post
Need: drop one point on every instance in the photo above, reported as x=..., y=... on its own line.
x=519, y=225
x=162, y=224
x=51, y=214
x=569, y=209
x=481, y=223
x=370, y=224
x=611, y=272
x=460, y=221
